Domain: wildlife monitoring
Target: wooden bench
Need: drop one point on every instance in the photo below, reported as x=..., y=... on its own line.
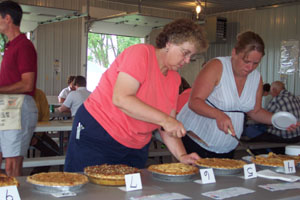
x=41, y=161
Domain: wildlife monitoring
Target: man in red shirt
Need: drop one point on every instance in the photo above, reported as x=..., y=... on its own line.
x=18, y=75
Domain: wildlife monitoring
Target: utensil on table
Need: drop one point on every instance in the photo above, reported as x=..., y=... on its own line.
x=242, y=144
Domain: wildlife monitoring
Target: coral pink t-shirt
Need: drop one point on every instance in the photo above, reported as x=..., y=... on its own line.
x=183, y=99
x=157, y=90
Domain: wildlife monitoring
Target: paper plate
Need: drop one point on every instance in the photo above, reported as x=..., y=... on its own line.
x=282, y=120
x=292, y=150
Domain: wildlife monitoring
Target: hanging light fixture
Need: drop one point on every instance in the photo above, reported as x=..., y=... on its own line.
x=198, y=8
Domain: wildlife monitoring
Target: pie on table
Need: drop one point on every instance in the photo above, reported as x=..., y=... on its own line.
x=57, y=179
x=109, y=174
x=220, y=163
x=173, y=169
x=275, y=160
x=8, y=180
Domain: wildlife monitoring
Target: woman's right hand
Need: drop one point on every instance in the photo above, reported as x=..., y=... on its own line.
x=224, y=123
x=173, y=127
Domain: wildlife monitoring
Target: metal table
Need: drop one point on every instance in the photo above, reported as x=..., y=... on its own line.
x=60, y=126
x=151, y=186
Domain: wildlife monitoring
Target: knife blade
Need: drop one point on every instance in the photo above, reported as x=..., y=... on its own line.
x=193, y=135
x=242, y=144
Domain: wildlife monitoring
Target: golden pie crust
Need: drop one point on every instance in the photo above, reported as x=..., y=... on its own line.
x=109, y=174
x=220, y=163
x=173, y=169
x=57, y=179
x=8, y=180
x=275, y=160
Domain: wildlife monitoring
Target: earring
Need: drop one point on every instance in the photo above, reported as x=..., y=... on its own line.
x=167, y=49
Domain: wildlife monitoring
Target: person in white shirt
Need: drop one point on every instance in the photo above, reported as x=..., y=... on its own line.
x=64, y=93
x=75, y=98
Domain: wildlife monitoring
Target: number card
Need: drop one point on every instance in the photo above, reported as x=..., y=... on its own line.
x=9, y=193
x=250, y=171
x=207, y=176
x=289, y=166
x=133, y=182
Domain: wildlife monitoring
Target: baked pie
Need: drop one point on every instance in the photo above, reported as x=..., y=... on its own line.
x=8, y=180
x=275, y=160
x=57, y=179
x=109, y=174
x=220, y=163
x=173, y=169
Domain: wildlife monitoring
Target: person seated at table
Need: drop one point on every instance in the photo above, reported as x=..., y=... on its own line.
x=42, y=141
x=64, y=93
x=75, y=98
x=282, y=100
x=136, y=95
x=225, y=89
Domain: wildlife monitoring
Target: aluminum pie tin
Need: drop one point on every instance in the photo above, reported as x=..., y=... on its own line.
x=223, y=171
x=174, y=178
x=262, y=167
x=56, y=189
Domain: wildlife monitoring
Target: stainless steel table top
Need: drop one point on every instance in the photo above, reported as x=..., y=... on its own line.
x=152, y=186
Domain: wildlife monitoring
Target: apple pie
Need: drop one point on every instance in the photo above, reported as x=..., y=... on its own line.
x=109, y=174
x=57, y=179
x=275, y=160
x=173, y=169
x=220, y=163
x=8, y=180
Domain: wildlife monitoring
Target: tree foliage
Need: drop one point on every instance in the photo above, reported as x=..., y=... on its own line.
x=3, y=40
x=102, y=46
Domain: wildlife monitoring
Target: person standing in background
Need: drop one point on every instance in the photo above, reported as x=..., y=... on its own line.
x=64, y=93
x=18, y=75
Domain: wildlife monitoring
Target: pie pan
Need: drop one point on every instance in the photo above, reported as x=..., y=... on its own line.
x=262, y=167
x=223, y=171
x=109, y=182
x=56, y=189
x=173, y=178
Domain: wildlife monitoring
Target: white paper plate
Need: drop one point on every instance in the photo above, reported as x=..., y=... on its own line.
x=282, y=120
x=292, y=150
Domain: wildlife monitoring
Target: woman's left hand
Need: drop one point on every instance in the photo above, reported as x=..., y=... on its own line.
x=189, y=158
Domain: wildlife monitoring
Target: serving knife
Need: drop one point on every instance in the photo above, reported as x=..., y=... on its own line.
x=242, y=144
x=193, y=135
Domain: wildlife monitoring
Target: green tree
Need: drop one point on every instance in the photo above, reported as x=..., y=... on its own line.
x=99, y=46
x=3, y=40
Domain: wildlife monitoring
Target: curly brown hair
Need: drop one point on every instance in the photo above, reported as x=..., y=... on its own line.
x=249, y=41
x=180, y=31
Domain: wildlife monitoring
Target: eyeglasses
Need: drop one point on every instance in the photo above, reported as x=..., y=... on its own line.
x=187, y=54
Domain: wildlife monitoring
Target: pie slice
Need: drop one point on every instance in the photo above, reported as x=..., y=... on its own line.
x=109, y=174
x=220, y=163
x=8, y=180
x=173, y=169
x=57, y=179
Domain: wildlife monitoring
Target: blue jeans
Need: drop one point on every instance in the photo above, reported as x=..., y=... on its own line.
x=255, y=130
x=96, y=146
